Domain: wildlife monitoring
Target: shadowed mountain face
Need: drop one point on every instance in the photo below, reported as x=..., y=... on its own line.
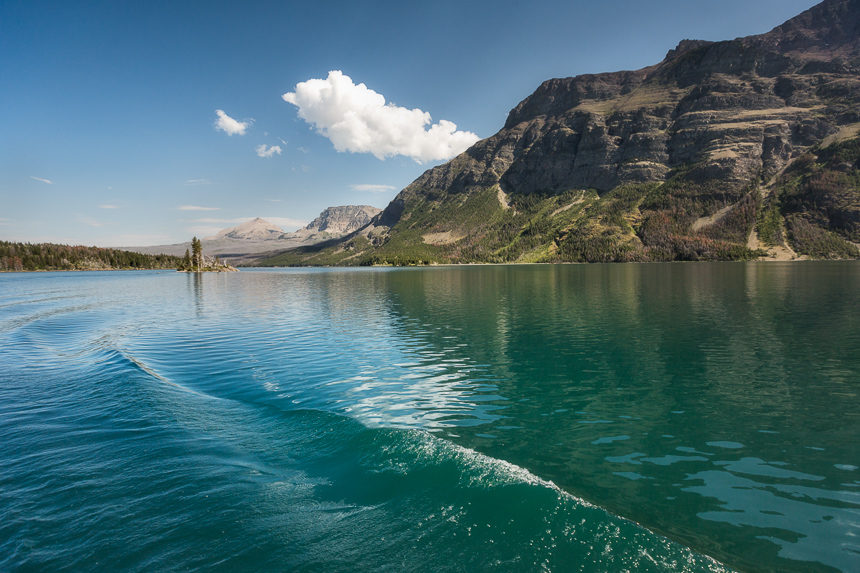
x=692, y=158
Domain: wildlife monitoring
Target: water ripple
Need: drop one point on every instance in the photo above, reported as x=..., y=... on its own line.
x=442, y=413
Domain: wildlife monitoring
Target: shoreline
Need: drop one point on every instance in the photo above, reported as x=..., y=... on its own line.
x=765, y=261
x=239, y=269
x=83, y=270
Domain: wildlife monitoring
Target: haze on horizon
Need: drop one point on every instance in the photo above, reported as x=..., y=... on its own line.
x=146, y=125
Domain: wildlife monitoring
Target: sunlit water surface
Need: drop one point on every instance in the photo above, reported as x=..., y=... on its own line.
x=677, y=417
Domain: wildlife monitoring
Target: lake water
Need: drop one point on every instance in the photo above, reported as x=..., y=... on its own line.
x=662, y=417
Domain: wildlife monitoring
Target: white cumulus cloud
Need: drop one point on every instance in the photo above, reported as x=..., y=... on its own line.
x=355, y=118
x=229, y=125
x=268, y=151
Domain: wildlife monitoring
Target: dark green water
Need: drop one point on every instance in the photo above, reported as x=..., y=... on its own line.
x=677, y=417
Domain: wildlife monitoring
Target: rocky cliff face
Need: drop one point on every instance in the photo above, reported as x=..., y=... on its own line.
x=738, y=107
x=675, y=161
x=342, y=220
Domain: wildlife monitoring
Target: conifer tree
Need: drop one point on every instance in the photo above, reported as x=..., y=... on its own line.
x=186, y=261
x=196, y=252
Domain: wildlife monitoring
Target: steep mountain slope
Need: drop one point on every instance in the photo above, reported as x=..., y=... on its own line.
x=690, y=159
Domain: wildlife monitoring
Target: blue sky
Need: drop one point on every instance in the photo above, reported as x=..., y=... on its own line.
x=108, y=131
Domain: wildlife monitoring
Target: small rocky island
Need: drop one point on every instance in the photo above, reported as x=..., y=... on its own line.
x=195, y=261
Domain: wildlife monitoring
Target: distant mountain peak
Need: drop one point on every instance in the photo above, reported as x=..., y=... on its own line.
x=685, y=46
x=340, y=220
x=256, y=229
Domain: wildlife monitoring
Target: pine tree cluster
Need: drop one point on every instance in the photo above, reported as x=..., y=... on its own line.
x=53, y=257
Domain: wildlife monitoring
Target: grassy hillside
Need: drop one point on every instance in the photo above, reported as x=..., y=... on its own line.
x=813, y=207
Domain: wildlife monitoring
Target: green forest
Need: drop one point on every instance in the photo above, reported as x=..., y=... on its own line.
x=52, y=257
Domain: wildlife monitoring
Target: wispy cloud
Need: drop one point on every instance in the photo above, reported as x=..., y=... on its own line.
x=197, y=208
x=203, y=230
x=135, y=240
x=42, y=179
x=211, y=220
x=106, y=206
x=229, y=125
x=200, y=181
x=90, y=222
x=373, y=188
x=264, y=151
x=280, y=221
x=357, y=119
x=275, y=200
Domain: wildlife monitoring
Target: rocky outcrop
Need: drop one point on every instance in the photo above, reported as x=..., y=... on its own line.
x=342, y=220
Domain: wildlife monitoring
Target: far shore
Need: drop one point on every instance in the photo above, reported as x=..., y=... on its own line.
x=471, y=264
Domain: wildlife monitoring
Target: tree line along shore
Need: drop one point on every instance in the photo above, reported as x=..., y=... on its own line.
x=54, y=257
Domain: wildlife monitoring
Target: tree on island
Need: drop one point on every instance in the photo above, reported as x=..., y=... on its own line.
x=197, y=253
x=195, y=261
x=186, y=261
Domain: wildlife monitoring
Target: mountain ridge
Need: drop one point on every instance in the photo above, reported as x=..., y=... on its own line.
x=337, y=220
x=342, y=219
x=622, y=165
x=247, y=242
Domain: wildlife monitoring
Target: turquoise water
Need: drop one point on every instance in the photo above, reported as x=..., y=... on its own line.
x=665, y=417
